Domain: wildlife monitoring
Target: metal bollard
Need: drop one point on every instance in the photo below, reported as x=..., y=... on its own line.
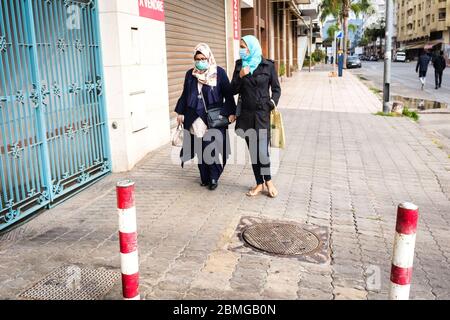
x=129, y=261
x=403, y=256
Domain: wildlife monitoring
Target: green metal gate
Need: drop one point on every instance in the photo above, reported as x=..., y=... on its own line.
x=53, y=124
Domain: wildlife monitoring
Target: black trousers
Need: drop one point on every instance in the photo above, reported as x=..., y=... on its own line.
x=260, y=157
x=438, y=77
x=210, y=165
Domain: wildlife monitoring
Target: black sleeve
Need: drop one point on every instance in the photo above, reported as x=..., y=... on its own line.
x=182, y=101
x=418, y=64
x=236, y=81
x=225, y=86
x=275, y=84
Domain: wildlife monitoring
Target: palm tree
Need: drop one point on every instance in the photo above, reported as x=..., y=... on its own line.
x=340, y=10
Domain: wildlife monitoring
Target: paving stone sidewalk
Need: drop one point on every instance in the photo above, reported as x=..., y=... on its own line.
x=344, y=169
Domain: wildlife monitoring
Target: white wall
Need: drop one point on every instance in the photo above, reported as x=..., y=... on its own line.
x=135, y=82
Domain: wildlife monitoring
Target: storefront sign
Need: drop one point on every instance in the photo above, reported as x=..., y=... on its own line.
x=236, y=22
x=153, y=9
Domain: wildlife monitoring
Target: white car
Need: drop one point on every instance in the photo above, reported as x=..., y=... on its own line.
x=400, y=56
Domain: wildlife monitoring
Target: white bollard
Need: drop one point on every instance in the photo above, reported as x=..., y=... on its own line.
x=129, y=262
x=403, y=256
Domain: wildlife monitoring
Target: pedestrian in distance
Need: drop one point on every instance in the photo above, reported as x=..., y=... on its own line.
x=255, y=79
x=439, y=65
x=206, y=88
x=422, y=67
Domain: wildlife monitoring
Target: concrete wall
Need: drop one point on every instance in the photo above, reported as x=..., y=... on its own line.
x=135, y=81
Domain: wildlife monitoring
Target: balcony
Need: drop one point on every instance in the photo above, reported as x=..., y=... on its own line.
x=410, y=5
x=410, y=19
x=245, y=4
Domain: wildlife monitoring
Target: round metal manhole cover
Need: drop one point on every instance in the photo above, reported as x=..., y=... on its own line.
x=282, y=239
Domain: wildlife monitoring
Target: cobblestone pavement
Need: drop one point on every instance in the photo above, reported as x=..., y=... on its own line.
x=344, y=168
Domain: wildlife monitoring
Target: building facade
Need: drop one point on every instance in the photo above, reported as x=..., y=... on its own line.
x=423, y=24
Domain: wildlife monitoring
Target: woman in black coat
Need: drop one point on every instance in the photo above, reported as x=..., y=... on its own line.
x=205, y=85
x=256, y=81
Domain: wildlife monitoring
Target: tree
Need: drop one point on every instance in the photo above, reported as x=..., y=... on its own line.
x=375, y=32
x=340, y=10
x=363, y=42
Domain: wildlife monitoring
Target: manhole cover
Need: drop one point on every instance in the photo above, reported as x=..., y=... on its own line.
x=281, y=238
x=73, y=282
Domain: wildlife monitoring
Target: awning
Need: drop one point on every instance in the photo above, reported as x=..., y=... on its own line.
x=424, y=45
x=415, y=46
x=431, y=44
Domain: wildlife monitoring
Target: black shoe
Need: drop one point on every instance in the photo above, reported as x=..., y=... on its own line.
x=213, y=185
x=436, y=88
x=204, y=184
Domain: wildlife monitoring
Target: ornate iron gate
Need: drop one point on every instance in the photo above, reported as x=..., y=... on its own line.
x=53, y=124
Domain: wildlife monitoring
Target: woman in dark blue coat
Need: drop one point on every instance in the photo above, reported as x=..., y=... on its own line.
x=206, y=86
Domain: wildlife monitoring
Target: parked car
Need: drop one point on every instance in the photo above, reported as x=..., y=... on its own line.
x=373, y=58
x=353, y=62
x=400, y=56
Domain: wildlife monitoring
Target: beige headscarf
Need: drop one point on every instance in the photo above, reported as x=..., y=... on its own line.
x=209, y=76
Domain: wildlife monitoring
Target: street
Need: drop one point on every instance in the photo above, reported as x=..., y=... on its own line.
x=405, y=80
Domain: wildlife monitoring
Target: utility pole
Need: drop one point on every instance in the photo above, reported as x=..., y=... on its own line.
x=388, y=55
x=310, y=42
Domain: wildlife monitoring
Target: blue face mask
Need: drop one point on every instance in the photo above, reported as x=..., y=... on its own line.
x=202, y=65
x=243, y=53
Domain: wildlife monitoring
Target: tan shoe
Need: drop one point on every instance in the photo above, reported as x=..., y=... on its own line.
x=271, y=190
x=253, y=192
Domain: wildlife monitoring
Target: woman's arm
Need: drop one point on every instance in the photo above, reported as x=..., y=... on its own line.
x=227, y=93
x=182, y=101
x=237, y=80
x=274, y=84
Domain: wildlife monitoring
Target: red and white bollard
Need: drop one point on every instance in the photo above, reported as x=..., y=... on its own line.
x=403, y=256
x=129, y=261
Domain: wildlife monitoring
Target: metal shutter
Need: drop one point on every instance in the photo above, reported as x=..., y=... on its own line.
x=188, y=23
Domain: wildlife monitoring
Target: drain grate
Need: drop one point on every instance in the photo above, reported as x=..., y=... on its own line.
x=281, y=238
x=72, y=282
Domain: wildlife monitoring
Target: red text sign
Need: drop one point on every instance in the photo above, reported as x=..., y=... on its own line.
x=153, y=9
x=236, y=23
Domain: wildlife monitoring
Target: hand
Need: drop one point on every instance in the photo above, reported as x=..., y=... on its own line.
x=244, y=71
x=180, y=119
x=232, y=118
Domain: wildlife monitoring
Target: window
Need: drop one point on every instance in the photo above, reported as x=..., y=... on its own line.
x=441, y=14
x=432, y=18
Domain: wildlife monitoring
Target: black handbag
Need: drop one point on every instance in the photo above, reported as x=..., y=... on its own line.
x=213, y=116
